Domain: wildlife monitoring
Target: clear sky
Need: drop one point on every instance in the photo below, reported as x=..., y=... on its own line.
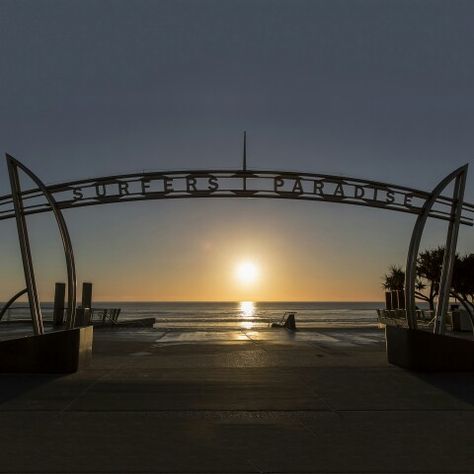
x=373, y=89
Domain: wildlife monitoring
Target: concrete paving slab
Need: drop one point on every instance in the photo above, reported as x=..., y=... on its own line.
x=258, y=405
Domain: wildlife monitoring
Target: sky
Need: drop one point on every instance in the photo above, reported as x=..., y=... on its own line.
x=377, y=89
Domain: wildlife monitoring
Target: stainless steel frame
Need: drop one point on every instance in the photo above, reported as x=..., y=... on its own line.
x=450, y=252
x=17, y=196
x=7, y=305
x=244, y=183
x=235, y=184
x=459, y=175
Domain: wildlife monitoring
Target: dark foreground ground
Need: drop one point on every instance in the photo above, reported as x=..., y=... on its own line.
x=251, y=401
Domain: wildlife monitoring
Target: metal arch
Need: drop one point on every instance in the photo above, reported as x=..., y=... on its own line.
x=446, y=274
x=35, y=308
x=231, y=184
x=70, y=195
x=13, y=164
x=450, y=253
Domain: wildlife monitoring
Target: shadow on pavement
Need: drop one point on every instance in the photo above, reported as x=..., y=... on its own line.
x=14, y=385
x=460, y=384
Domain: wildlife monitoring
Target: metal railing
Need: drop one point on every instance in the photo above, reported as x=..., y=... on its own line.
x=424, y=317
x=93, y=315
x=22, y=313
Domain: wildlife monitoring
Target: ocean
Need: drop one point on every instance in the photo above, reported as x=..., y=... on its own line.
x=248, y=315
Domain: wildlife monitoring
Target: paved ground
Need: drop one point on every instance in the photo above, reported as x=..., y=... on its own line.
x=238, y=401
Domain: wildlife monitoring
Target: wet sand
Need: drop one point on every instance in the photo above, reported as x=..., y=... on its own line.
x=238, y=401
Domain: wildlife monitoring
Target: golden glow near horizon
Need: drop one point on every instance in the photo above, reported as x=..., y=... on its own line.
x=247, y=272
x=324, y=262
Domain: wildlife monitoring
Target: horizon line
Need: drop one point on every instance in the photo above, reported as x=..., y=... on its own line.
x=225, y=301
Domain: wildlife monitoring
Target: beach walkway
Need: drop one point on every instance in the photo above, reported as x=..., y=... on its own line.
x=244, y=401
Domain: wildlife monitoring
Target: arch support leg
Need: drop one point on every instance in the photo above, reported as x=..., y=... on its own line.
x=459, y=178
x=35, y=308
x=13, y=166
x=449, y=255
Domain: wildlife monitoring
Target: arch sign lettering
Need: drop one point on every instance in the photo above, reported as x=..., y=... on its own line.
x=238, y=183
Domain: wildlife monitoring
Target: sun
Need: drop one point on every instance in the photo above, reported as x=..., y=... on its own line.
x=247, y=272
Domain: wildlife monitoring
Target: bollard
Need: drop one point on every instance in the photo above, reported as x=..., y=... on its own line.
x=59, y=298
x=388, y=300
x=86, y=303
x=401, y=299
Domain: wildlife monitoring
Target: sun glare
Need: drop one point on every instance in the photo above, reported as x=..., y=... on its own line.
x=247, y=273
x=247, y=309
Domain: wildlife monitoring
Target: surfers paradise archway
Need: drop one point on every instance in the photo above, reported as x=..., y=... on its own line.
x=237, y=183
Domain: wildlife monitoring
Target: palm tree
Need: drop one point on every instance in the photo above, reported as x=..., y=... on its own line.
x=429, y=264
x=394, y=282
x=395, y=279
x=428, y=269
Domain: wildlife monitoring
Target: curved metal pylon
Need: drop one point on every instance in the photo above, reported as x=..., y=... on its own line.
x=35, y=309
x=459, y=175
x=7, y=305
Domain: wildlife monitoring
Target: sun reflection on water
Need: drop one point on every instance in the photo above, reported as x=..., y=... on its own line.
x=247, y=310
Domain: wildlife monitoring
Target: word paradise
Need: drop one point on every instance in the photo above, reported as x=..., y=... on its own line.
x=291, y=186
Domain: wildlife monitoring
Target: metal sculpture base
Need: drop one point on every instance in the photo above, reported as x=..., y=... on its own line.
x=426, y=352
x=59, y=352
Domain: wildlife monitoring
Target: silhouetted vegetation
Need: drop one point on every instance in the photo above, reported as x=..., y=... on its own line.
x=428, y=269
x=395, y=279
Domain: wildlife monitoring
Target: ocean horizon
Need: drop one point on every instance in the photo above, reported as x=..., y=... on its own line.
x=231, y=314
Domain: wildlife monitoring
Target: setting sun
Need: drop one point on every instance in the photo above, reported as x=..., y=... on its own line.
x=247, y=272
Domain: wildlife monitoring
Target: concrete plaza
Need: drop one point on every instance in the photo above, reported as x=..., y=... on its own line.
x=242, y=401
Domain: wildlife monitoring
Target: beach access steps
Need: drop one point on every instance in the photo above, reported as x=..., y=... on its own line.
x=287, y=321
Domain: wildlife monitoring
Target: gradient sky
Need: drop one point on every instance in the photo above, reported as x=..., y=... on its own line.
x=372, y=89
